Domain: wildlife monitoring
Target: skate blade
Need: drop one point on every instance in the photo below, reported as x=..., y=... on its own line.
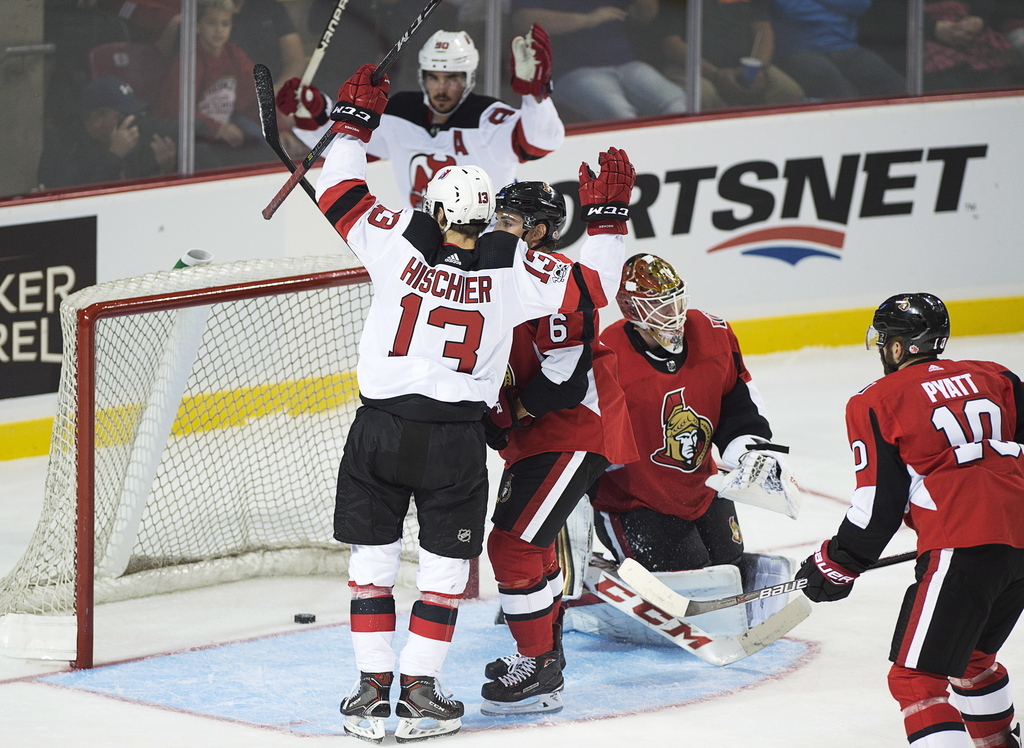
x=370, y=729
x=410, y=729
x=545, y=703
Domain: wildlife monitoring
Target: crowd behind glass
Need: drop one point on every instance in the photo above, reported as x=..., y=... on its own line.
x=613, y=59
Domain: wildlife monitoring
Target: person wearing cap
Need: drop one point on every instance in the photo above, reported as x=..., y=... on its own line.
x=110, y=145
x=445, y=123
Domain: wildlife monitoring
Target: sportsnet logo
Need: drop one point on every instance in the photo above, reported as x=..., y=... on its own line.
x=788, y=243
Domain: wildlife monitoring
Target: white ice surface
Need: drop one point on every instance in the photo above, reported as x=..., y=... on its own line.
x=839, y=698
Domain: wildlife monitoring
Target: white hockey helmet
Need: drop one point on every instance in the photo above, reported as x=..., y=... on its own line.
x=450, y=51
x=465, y=193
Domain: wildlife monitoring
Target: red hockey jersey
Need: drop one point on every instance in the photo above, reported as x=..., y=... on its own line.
x=937, y=444
x=679, y=406
x=553, y=347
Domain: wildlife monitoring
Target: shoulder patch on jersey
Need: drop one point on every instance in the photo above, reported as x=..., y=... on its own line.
x=425, y=235
x=496, y=249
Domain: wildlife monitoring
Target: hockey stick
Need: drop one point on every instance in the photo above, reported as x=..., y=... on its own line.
x=328, y=136
x=318, y=54
x=715, y=650
x=665, y=597
x=268, y=119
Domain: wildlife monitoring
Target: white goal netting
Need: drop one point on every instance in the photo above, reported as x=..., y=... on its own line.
x=222, y=398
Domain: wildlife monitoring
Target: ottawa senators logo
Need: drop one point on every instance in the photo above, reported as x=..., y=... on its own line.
x=687, y=434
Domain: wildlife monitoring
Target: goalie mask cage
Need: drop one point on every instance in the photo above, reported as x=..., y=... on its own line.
x=200, y=420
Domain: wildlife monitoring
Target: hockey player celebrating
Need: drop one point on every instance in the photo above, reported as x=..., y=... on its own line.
x=435, y=346
x=560, y=421
x=686, y=389
x=938, y=444
x=447, y=124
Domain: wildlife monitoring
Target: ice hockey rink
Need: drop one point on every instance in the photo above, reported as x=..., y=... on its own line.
x=227, y=666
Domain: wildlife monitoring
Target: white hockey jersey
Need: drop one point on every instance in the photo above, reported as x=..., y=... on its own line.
x=483, y=132
x=441, y=319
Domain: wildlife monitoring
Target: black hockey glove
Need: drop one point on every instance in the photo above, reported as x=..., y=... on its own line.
x=827, y=581
x=495, y=435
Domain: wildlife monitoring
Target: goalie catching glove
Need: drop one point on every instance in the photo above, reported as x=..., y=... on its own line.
x=360, y=104
x=531, y=63
x=310, y=97
x=604, y=197
x=762, y=477
x=827, y=579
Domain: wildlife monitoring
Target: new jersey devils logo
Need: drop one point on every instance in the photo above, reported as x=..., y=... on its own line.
x=687, y=434
x=422, y=168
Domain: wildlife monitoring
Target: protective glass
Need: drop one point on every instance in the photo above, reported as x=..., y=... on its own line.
x=874, y=339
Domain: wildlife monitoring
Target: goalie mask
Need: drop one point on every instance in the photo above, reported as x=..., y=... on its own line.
x=536, y=202
x=452, y=52
x=653, y=297
x=465, y=193
x=920, y=319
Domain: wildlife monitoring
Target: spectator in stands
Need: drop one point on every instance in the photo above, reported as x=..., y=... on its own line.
x=113, y=140
x=962, y=50
x=731, y=30
x=150, y=21
x=265, y=32
x=597, y=74
x=818, y=47
x=227, y=114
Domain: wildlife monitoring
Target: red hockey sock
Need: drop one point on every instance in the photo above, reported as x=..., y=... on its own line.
x=925, y=702
x=983, y=697
x=523, y=589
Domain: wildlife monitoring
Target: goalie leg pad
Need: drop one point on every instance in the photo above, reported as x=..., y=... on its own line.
x=574, y=544
x=762, y=570
x=710, y=583
x=601, y=619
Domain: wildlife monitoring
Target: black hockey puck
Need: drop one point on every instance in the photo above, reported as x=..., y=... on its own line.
x=305, y=618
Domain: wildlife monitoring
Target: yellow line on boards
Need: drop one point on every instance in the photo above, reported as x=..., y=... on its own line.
x=233, y=407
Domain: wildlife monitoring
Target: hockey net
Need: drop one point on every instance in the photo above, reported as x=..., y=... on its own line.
x=198, y=445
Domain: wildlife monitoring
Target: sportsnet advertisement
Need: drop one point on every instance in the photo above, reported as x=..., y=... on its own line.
x=823, y=210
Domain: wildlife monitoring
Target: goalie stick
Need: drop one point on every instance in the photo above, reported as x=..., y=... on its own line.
x=715, y=650
x=321, y=146
x=671, y=601
x=268, y=119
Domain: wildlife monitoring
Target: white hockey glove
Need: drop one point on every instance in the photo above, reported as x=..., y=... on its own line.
x=531, y=63
x=762, y=478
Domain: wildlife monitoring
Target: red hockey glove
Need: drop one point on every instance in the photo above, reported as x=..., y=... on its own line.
x=360, y=104
x=605, y=197
x=827, y=581
x=531, y=63
x=495, y=436
x=504, y=411
x=312, y=99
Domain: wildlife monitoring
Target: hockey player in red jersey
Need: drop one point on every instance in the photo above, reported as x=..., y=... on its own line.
x=447, y=124
x=560, y=421
x=686, y=389
x=937, y=444
x=432, y=357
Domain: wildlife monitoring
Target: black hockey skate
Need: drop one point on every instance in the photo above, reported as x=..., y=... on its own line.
x=499, y=667
x=368, y=706
x=422, y=702
x=530, y=686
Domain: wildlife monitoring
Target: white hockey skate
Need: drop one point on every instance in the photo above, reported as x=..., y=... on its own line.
x=426, y=711
x=368, y=706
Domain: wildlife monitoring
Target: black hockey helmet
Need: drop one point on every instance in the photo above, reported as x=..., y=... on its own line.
x=536, y=202
x=920, y=319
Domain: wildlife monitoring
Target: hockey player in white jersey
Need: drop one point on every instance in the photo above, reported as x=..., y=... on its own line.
x=431, y=359
x=447, y=124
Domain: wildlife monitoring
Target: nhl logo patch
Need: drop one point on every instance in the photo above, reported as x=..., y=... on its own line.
x=464, y=535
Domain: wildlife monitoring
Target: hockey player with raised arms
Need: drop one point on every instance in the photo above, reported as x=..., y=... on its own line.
x=938, y=444
x=687, y=388
x=559, y=422
x=447, y=124
x=432, y=356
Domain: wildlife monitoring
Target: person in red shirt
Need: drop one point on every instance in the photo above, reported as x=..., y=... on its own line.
x=937, y=444
x=227, y=113
x=560, y=421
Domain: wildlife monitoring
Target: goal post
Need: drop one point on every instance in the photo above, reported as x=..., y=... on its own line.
x=200, y=420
